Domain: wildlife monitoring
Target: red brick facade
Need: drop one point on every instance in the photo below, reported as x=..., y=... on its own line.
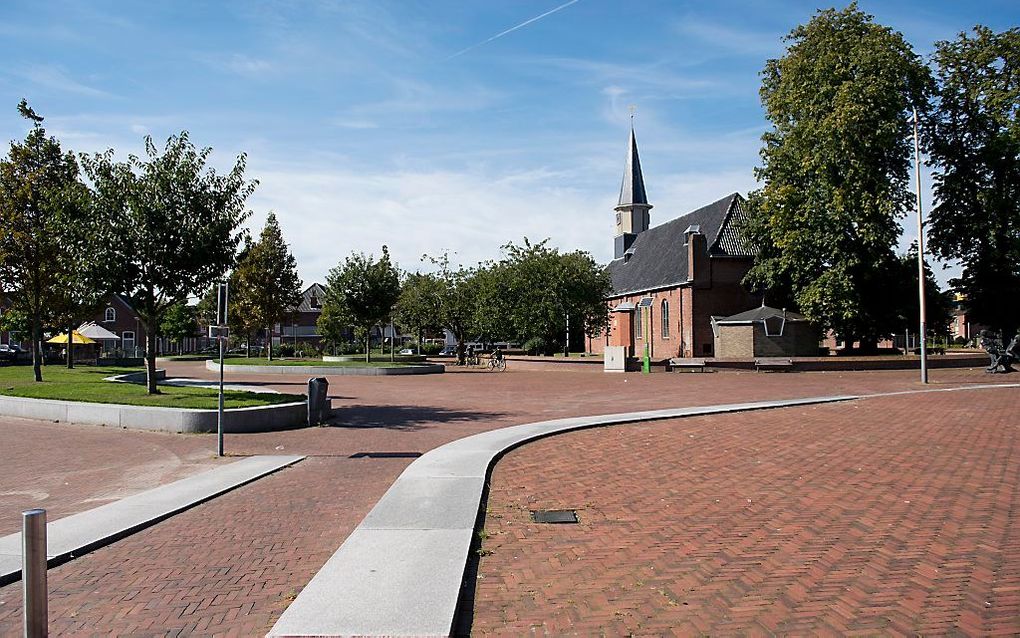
x=680, y=317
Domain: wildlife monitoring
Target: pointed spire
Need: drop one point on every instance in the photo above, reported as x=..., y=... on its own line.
x=632, y=191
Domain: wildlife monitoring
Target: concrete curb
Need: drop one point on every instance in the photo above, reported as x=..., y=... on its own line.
x=310, y=371
x=401, y=571
x=265, y=418
x=84, y=532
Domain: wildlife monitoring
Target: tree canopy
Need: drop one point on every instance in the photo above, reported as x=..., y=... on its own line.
x=836, y=168
x=173, y=225
x=44, y=210
x=419, y=307
x=973, y=144
x=364, y=290
x=265, y=282
x=528, y=295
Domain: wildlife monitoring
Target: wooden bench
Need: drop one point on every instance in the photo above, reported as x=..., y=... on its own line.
x=686, y=364
x=773, y=364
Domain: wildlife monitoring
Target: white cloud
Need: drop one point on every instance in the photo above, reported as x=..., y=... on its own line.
x=327, y=214
x=57, y=78
x=728, y=38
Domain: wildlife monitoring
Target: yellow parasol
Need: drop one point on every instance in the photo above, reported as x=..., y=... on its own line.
x=77, y=338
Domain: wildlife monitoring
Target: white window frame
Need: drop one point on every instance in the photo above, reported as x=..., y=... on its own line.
x=110, y=315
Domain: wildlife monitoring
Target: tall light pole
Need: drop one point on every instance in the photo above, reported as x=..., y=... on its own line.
x=920, y=254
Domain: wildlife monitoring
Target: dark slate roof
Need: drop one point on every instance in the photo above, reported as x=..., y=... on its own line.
x=660, y=256
x=315, y=290
x=761, y=313
x=632, y=190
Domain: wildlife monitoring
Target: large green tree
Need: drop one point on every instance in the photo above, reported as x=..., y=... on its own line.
x=178, y=323
x=458, y=292
x=973, y=144
x=267, y=282
x=43, y=205
x=836, y=167
x=531, y=294
x=363, y=289
x=173, y=225
x=419, y=307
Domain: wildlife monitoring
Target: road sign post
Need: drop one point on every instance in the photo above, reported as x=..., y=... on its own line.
x=220, y=332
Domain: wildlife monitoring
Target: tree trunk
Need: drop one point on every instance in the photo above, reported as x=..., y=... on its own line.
x=269, y=343
x=150, y=360
x=70, y=346
x=247, y=346
x=36, y=350
x=368, y=346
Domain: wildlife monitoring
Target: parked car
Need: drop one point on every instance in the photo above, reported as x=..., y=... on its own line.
x=448, y=351
x=11, y=352
x=406, y=351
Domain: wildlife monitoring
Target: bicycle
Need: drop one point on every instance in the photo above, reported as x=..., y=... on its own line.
x=496, y=365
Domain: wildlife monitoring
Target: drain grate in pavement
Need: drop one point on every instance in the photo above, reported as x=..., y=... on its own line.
x=385, y=455
x=554, y=516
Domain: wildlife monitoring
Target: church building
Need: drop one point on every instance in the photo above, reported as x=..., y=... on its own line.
x=671, y=279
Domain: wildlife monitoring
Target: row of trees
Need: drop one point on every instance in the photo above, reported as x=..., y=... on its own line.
x=836, y=169
x=527, y=296
x=156, y=229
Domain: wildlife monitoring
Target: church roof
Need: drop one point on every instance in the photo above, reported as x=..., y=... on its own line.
x=632, y=190
x=659, y=254
x=761, y=313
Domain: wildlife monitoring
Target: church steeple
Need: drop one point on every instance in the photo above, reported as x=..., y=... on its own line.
x=632, y=210
x=632, y=191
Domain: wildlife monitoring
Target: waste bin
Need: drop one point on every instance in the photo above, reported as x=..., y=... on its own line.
x=318, y=389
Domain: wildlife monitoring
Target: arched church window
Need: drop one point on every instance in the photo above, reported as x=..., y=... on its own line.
x=664, y=319
x=111, y=315
x=639, y=324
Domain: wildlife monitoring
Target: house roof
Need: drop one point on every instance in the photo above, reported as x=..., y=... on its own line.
x=659, y=255
x=632, y=190
x=315, y=290
x=761, y=313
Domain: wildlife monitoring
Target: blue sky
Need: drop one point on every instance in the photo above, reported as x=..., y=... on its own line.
x=367, y=122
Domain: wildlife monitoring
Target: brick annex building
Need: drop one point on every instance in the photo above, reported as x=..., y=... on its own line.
x=668, y=281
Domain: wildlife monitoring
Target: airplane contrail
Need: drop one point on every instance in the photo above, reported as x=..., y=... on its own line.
x=512, y=29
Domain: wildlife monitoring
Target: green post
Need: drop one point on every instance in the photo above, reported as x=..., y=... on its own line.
x=646, y=366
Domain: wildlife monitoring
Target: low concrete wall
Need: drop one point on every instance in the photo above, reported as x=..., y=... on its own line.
x=833, y=364
x=311, y=371
x=236, y=420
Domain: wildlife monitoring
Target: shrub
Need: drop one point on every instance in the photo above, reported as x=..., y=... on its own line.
x=535, y=345
x=431, y=349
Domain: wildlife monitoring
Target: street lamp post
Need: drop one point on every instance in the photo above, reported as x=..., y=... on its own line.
x=920, y=255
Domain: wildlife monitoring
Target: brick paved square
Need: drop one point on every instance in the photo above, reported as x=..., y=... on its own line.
x=895, y=515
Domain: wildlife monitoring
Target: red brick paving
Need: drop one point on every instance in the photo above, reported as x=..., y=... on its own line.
x=887, y=516
x=252, y=541
x=70, y=468
x=226, y=567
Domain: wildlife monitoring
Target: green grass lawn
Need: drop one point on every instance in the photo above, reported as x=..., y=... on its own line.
x=382, y=362
x=85, y=383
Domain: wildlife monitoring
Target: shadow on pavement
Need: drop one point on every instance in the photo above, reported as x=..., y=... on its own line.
x=403, y=417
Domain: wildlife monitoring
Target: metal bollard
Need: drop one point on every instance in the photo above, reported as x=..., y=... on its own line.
x=33, y=574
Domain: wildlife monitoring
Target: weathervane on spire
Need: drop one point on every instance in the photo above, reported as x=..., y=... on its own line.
x=633, y=109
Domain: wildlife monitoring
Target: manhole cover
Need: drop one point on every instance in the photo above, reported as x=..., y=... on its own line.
x=385, y=455
x=554, y=516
